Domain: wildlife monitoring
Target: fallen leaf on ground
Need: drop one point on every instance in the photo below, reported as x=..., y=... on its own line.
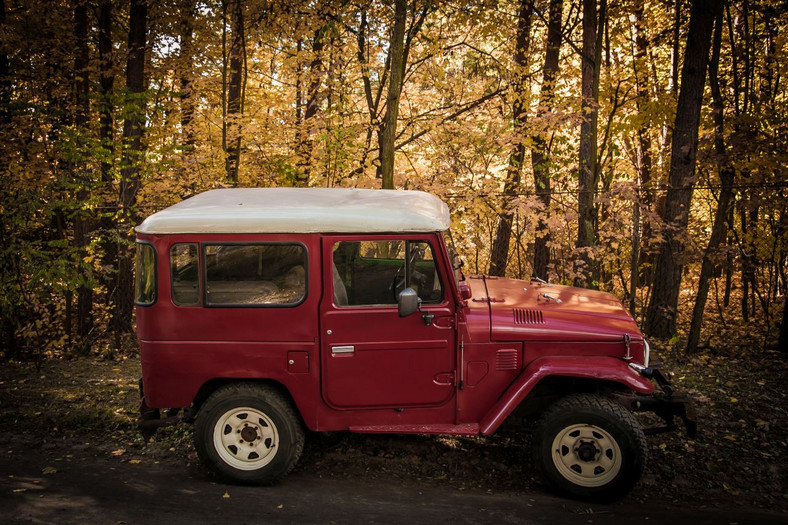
x=226, y=495
x=119, y=452
x=48, y=470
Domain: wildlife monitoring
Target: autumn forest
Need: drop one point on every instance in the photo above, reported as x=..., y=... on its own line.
x=635, y=146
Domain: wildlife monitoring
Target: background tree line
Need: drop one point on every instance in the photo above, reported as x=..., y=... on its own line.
x=636, y=146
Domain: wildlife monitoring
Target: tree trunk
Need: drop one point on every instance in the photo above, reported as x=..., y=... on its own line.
x=644, y=168
x=106, y=82
x=782, y=344
x=105, y=102
x=5, y=80
x=9, y=317
x=388, y=127
x=306, y=124
x=540, y=155
x=588, y=176
x=133, y=156
x=726, y=171
x=234, y=93
x=661, y=315
x=647, y=274
x=82, y=219
x=186, y=73
x=499, y=252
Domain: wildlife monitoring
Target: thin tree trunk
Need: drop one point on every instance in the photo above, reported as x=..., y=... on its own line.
x=106, y=82
x=388, y=127
x=634, y=256
x=726, y=171
x=234, y=94
x=107, y=141
x=586, y=273
x=540, y=155
x=782, y=344
x=499, y=252
x=133, y=154
x=661, y=316
x=5, y=80
x=186, y=68
x=9, y=317
x=645, y=164
x=82, y=219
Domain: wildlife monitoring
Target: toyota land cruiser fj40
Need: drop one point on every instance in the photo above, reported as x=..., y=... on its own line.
x=262, y=312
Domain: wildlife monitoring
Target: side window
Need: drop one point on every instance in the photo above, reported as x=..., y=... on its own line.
x=145, y=278
x=184, y=274
x=255, y=274
x=372, y=273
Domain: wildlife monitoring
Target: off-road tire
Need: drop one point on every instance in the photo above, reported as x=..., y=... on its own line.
x=589, y=447
x=247, y=433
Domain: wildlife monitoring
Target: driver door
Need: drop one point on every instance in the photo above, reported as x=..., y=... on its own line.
x=372, y=358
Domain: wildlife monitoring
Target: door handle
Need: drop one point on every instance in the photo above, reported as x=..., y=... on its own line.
x=339, y=350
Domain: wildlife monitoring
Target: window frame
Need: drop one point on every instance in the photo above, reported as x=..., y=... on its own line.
x=155, y=265
x=199, y=275
x=204, y=273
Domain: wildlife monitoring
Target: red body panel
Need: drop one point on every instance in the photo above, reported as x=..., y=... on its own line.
x=603, y=368
x=396, y=362
x=464, y=372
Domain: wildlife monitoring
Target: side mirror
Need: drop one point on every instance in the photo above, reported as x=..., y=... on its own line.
x=465, y=292
x=408, y=302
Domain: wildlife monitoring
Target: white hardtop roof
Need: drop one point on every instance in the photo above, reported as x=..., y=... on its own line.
x=301, y=210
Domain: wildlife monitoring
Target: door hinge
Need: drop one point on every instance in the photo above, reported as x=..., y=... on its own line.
x=488, y=300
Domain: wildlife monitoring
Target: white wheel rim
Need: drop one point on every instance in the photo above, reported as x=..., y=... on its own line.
x=245, y=438
x=586, y=455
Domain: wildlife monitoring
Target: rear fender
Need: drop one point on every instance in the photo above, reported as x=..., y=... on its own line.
x=610, y=369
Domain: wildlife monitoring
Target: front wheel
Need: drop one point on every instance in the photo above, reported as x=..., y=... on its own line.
x=590, y=447
x=249, y=434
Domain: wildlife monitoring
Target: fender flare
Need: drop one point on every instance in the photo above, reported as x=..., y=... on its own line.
x=602, y=368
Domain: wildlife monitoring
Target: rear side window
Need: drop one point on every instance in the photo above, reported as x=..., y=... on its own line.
x=255, y=274
x=185, y=274
x=145, y=279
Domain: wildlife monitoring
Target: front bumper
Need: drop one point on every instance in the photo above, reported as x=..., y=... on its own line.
x=666, y=404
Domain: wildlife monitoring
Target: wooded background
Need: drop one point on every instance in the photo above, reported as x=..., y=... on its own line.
x=636, y=146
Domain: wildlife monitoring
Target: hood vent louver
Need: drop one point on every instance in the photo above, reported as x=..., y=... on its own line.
x=506, y=359
x=527, y=316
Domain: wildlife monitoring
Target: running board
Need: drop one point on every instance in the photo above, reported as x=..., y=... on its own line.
x=466, y=429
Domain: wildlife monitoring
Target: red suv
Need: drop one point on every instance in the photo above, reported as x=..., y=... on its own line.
x=262, y=312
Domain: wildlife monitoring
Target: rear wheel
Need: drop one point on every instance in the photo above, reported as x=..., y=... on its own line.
x=248, y=433
x=590, y=447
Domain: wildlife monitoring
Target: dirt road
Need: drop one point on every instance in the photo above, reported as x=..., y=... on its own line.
x=77, y=482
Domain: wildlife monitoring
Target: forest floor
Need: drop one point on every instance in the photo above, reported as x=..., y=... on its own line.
x=74, y=410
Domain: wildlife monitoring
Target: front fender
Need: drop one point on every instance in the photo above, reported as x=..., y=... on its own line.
x=601, y=368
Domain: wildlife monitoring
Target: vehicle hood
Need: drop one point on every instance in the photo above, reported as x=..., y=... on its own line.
x=530, y=310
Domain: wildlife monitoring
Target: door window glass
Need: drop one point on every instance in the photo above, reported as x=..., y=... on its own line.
x=375, y=272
